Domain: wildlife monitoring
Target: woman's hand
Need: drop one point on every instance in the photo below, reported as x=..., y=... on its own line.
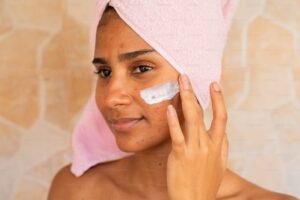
x=197, y=161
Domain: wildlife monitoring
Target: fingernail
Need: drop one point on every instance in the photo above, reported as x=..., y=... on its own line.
x=184, y=81
x=216, y=87
x=171, y=110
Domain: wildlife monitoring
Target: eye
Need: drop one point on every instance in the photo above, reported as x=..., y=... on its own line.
x=142, y=69
x=104, y=73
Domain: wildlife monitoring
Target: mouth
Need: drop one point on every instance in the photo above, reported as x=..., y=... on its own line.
x=125, y=124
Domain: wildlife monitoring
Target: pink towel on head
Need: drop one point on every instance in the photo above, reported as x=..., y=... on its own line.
x=189, y=34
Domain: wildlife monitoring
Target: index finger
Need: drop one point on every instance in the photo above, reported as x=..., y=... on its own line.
x=192, y=112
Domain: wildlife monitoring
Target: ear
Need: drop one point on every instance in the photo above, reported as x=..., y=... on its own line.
x=228, y=8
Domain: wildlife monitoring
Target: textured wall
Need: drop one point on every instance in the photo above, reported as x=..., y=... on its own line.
x=45, y=80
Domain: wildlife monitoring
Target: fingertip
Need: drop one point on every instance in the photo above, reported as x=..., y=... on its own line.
x=216, y=93
x=185, y=87
x=216, y=87
x=176, y=134
x=171, y=111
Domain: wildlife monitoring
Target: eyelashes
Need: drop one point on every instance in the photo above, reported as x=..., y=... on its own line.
x=106, y=72
x=144, y=67
x=99, y=72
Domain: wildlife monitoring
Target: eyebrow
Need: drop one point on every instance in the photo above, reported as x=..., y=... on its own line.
x=124, y=56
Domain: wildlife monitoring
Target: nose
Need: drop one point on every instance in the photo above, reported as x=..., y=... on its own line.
x=117, y=93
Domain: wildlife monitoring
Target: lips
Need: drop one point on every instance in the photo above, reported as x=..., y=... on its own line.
x=124, y=124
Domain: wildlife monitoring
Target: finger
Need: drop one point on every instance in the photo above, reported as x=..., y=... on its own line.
x=178, y=142
x=219, y=121
x=192, y=112
x=224, y=151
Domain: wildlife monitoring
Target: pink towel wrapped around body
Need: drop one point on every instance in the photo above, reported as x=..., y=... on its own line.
x=189, y=34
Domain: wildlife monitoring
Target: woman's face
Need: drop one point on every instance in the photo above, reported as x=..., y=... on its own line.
x=121, y=78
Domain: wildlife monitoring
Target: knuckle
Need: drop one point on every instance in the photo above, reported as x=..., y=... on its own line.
x=186, y=93
x=192, y=114
x=189, y=94
x=178, y=144
x=205, y=150
x=197, y=111
x=223, y=117
x=194, y=120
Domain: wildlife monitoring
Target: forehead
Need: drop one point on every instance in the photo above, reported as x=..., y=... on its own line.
x=113, y=31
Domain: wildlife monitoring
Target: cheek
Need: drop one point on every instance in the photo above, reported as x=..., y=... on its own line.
x=158, y=116
x=176, y=102
x=158, y=112
x=99, y=99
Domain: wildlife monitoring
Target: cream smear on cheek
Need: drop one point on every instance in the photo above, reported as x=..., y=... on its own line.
x=159, y=93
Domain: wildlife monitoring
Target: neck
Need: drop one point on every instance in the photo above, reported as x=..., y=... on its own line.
x=148, y=168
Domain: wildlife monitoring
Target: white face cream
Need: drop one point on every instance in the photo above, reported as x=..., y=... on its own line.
x=160, y=93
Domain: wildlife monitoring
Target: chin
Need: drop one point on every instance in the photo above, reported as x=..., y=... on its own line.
x=131, y=146
x=135, y=145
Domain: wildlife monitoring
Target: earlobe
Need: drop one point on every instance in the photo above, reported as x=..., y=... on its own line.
x=228, y=9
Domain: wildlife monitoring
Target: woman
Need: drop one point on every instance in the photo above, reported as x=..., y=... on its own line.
x=175, y=157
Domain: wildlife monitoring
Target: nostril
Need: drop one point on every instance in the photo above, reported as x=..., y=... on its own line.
x=117, y=90
x=117, y=99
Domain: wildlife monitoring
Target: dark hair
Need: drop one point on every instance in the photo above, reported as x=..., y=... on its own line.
x=109, y=8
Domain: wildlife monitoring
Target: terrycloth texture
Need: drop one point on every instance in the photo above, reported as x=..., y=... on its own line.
x=189, y=34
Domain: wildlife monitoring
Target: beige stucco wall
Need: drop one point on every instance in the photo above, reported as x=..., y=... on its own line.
x=46, y=79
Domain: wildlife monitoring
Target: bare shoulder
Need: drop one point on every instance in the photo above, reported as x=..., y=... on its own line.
x=62, y=184
x=251, y=191
x=259, y=193
x=66, y=186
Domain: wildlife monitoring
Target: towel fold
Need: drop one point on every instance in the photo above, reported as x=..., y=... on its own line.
x=189, y=34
